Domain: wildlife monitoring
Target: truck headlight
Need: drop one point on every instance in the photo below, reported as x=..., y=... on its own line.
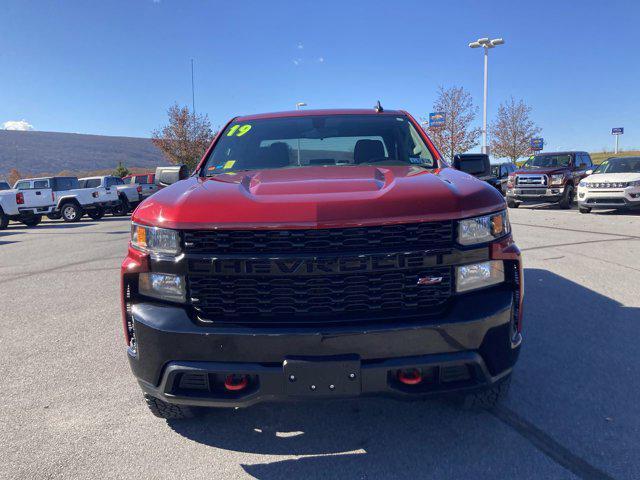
x=582, y=183
x=479, y=275
x=155, y=240
x=556, y=179
x=483, y=229
x=635, y=183
x=163, y=286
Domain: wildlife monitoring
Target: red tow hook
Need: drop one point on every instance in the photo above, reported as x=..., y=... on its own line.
x=236, y=383
x=410, y=376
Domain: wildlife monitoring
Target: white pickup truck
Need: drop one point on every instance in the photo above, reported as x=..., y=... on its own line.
x=123, y=198
x=70, y=200
x=26, y=205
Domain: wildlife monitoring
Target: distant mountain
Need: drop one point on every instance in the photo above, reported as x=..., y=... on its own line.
x=52, y=152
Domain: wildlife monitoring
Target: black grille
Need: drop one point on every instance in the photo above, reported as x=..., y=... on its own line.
x=405, y=237
x=339, y=297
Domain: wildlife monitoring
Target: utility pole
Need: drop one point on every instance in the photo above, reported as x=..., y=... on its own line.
x=193, y=91
x=485, y=43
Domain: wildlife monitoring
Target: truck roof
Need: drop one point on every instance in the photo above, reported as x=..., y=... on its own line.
x=567, y=152
x=309, y=113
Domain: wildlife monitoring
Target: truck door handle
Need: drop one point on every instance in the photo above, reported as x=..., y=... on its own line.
x=38, y=193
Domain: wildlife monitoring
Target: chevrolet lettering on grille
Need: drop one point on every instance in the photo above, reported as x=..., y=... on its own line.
x=316, y=265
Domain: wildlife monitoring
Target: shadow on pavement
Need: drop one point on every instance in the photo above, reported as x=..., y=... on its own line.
x=573, y=375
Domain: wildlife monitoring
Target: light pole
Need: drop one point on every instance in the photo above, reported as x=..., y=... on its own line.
x=485, y=43
x=298, y=105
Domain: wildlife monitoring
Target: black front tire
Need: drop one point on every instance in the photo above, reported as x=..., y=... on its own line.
x=32, y=221
x=122, y=208
x=71, y=212
x=512, y=204
x=584, y=209
x=488, y=398
x=4, y=220
x=169, y=411
x=567, y=198
x=97, y=213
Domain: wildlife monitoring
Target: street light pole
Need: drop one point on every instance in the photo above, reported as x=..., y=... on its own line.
x=485, y=43
x=298, y=105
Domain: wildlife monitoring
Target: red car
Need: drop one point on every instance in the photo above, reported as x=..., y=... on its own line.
x=321, y=254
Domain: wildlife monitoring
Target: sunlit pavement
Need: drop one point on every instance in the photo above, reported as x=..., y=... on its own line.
x=71, y=409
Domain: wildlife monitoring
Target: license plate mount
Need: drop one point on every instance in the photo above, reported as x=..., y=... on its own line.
x=322, y=377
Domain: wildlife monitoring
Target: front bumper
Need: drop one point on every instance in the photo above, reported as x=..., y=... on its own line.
x=627, y=198
x=543, y=194
x=472, y=346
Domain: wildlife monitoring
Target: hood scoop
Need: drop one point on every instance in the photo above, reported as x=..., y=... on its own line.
x=317, y=181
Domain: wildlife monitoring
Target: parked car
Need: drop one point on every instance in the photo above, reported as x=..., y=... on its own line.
x=614, y=184
x=548, y=178
x=147, y=182
x=70, y=199
x=26, y=205
x=501, y=172
x=4, y=186
x=319, y=254
x=123, y=197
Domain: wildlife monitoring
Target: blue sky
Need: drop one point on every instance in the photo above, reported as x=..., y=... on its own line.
x=113, y=67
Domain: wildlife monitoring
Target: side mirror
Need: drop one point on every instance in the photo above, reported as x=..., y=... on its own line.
x=166, y=176
x=589, y=172
x=477, y=165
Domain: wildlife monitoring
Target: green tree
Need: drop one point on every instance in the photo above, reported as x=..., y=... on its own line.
x=185, y=138
x=121, y=171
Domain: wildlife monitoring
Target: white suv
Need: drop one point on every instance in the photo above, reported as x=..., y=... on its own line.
x=615, y=184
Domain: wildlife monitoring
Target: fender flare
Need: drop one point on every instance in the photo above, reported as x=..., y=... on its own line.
x=64, y=200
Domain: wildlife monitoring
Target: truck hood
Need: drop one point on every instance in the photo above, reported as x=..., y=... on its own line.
x=613, y=177
x=319, y=197
x=542, y=171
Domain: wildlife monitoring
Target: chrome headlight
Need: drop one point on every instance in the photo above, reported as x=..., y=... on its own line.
x=164, y=286
x=155, y=240
x=483, y=229
x=556, y=179
x=479, y=275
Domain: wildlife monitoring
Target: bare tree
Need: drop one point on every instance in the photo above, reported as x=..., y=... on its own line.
x=512, y=131
x=185, y=138
x=14, y=176
x=456, y=136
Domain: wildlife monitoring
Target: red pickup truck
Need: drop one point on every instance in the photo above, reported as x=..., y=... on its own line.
x=320, y=254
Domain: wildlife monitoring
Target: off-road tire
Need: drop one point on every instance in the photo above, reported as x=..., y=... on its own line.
x=96, y=214
x=584, y=209
x=567, y=198
x=54, y=216
x=122, y=208
x=512, y=204
x=169, y=411
x=32, y=221
x=66, y=211
x=489, y=398
x=4, y=220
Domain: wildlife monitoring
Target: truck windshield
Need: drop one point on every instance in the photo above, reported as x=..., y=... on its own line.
x=619, y=165
x=546, y=161
x=343, y=140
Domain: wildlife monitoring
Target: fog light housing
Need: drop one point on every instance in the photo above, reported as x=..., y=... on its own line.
x=162, y=286
x=479, y=275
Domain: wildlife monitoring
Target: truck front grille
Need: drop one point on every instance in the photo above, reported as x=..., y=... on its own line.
x=413, y=236
x=318, y=276
x=527, y=180
x=318, y=298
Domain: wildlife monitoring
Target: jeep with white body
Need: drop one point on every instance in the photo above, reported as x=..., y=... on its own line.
x=27, y=204
x=123, y=197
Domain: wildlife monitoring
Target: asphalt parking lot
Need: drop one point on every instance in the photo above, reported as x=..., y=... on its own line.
x=71, y=409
